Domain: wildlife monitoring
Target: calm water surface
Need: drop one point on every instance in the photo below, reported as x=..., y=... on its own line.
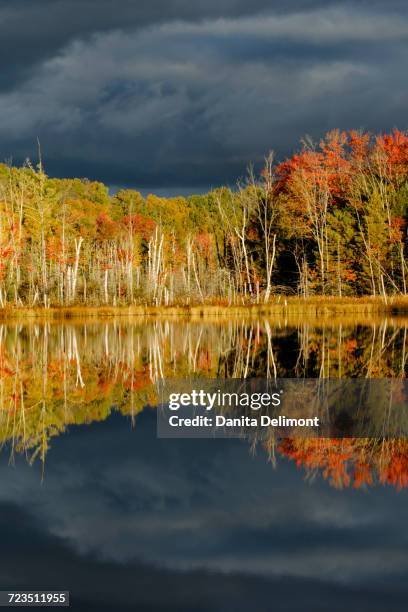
x=92, y=502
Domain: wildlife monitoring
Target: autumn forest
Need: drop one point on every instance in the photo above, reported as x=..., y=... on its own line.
x=330, y=220
x=54, y=377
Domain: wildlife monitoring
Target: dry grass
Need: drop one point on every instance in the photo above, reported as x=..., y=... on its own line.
x=315, y=307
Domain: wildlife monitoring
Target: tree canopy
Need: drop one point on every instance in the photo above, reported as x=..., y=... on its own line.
x=330, y=220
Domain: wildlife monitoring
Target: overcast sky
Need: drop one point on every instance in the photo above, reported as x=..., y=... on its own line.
x=192, y=525
x=180, y=95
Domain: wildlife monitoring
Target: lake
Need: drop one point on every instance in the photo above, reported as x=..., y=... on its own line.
x=93, y=502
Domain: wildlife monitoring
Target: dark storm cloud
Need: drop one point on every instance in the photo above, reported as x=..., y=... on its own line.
x=195, y=525
x=206, y=505
x=33, y=31
x=35, y=558
x=181, y=93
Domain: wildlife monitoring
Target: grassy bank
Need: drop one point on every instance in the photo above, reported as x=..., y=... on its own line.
x=313, y=307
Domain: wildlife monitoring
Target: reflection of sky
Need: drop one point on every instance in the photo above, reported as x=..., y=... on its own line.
x=196, y=525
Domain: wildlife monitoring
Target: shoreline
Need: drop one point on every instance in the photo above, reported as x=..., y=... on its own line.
x=311, y=307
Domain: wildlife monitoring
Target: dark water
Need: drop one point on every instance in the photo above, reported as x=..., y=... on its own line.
x=92, y=502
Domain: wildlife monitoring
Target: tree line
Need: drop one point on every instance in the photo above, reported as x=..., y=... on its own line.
x=331, y=220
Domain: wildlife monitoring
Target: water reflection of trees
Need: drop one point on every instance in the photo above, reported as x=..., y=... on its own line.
x=53, y=376
x=350, y=462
